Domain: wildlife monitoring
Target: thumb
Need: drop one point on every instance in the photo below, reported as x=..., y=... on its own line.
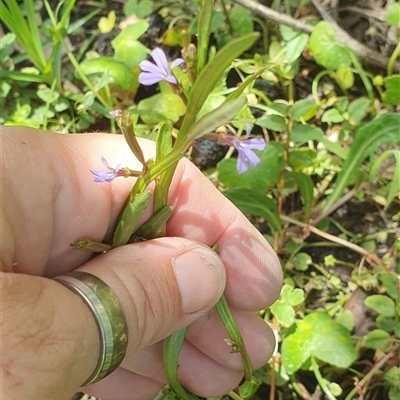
x=50, y=339
x=162, y=285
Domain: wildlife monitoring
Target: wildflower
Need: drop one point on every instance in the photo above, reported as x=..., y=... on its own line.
x=108, y=175
x=160, y=71
x=245, y=148
x=116, y=113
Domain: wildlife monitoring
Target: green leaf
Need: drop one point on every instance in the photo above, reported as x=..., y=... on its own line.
x=291, y=295
x=391, y=285
x=284, y=313
x=120, y=73
x=160, y=107
x=133, y=211
x=382, y=304
x=368, y=138
x=357, y=110
x=48, y=95
x=310, y=339
x=306, y=187
x=394, y=186
x=224, y=113
x=141, y=9
x=392, y=16
x=152, y=228
x=325, y=50
x=346, y=319
x=259, y=178
x=376, y=339
x=171, y=350
x=295, y=47
x=304, y=109
x=303, y=133
x=241, y=20
x=6, y=46
x=345, y=78
x=332, y=116
x=392, y=93
x=255, y=204
x=210, y=75
x=301, y=261
x=274, y=122
x=203, y=33
x=127, y=48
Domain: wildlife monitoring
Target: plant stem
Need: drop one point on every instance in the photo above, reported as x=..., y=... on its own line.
x=236, y=339
x=392, y=59
x=321, y=380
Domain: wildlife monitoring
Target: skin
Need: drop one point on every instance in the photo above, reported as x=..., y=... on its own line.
x=48, y=337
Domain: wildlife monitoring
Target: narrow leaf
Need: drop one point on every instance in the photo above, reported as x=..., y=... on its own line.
x=133, y=211
x=216, y=118
x=172, y=348
x=203, y=33
x=368, y=138
x=209, y=77
x=306, y=187
x=155, y=225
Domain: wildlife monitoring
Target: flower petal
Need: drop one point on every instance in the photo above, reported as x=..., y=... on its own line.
x=241, y=165
x=171, y=79
x=160, y=59
x=251, y=157
x=177, y=62
x=147, y=66
x=147, y=78
x=254, y=144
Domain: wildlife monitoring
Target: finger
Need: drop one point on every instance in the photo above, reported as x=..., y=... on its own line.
x=52, y=201
x=182, y=281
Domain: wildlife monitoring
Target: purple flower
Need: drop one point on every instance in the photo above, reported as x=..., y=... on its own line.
x=245, y=148
x=108, y=175
x=153, y=73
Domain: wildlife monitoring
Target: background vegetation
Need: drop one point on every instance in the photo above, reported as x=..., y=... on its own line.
x=325, y=193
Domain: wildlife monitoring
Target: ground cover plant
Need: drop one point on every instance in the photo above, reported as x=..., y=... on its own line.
x=294, y=122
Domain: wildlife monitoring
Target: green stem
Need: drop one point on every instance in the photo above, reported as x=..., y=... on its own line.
x=172, y=348
x=235, y=337
x=392, y=59
x=314, y=88
x=321, y=381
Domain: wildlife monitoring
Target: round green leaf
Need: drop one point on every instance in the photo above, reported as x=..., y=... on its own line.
x=126, y=46
x=392, y=16
x=120, y=73
x=283, y=312
x=376, y=339
x=304, y=109
x=274, y=122
x=162, y=106
x=325, y=50
x=332, y=116
x=382, y=304
x=319, y=336
x=345, y=78
x=392, y=93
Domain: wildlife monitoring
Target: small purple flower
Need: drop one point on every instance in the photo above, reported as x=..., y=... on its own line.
x=116, y=113
x=153, y=73
x=245, y=148
x=108, y=175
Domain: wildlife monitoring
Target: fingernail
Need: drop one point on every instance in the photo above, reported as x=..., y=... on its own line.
x=200, y=274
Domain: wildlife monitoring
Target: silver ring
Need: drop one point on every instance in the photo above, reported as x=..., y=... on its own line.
x=110, y=320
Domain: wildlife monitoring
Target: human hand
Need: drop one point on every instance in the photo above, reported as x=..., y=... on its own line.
x=50, y=342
